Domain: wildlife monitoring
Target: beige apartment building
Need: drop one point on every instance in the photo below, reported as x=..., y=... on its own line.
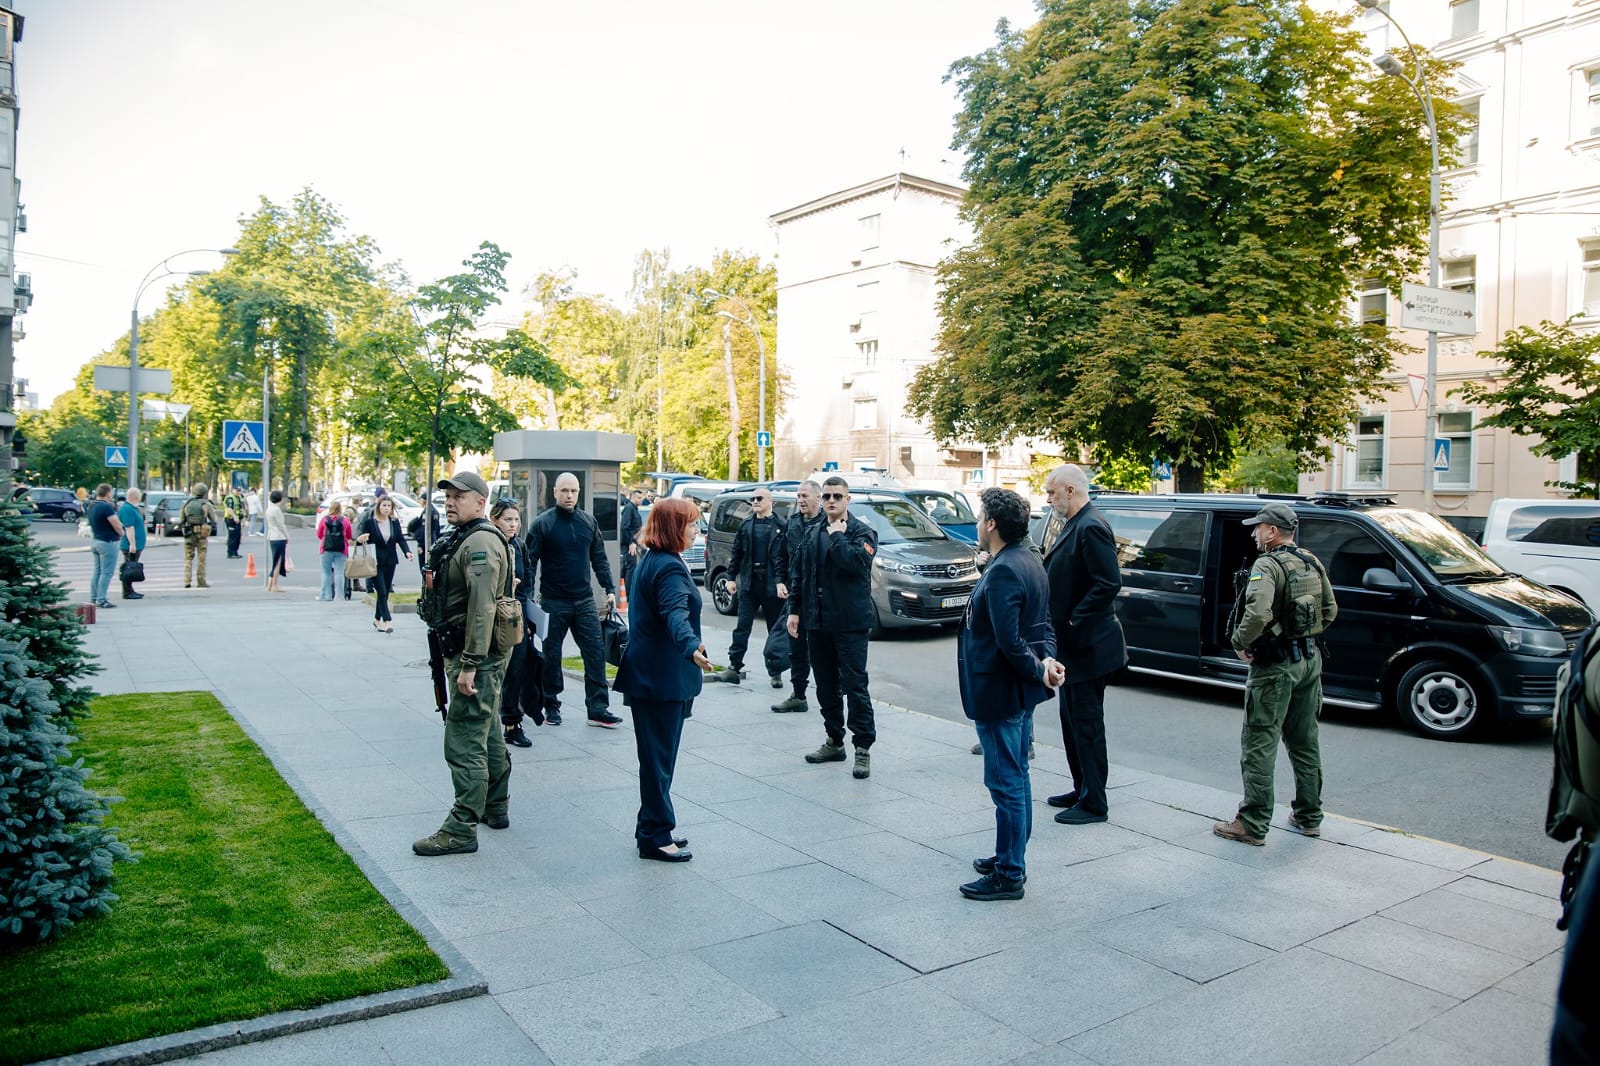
x=857, y=316
x=1520, y=230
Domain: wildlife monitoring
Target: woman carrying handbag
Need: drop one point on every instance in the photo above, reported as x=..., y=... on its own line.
x=381, y=530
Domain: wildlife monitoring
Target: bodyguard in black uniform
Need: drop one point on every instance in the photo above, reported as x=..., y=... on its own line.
x=808, y=513
x=564, y=544
x=833, y=600
x=759, y=565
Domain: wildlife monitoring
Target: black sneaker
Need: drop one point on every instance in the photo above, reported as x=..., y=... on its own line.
x=552, y=716
x=986, y=866
x=992, y=886
x=605, y=720
x=106, y=603
x=516, y=736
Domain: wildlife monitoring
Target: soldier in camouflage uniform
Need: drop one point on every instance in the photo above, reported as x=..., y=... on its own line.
x=1286, y=601
x=196, y=519
x=476, y=565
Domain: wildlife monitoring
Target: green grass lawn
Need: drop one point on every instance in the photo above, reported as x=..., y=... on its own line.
x=241, y=903
x=575, y=662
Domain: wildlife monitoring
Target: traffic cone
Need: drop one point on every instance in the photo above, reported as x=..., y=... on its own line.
x=250, y=566
x=622, y=598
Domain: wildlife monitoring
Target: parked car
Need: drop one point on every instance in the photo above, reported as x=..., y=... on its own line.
x=950, y=510
x=702, y=492
x=1429, y=626
x=163, y=512
x=920, y=576
x=61, y=504
x=1553, y=542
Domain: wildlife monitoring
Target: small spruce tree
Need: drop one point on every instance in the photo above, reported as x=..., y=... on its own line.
x=55, y=855
x=35, y=612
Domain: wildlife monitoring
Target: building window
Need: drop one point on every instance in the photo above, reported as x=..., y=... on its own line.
x=1374, y=302
x=1463, y=17
x=867, y=352
x=1460, y=275
x=869, y=231
x=1589, y=279
x=1366, y=467
x=866, y=414
x=1591, y=107
x=1455, y=427
x=1467, y=146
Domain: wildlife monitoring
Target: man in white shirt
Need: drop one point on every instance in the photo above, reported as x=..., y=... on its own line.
x=252, y=504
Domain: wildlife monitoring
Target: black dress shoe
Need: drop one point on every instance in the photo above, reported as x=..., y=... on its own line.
x=1078, y=816
x=133, y=595
x=682, y=842
x=986, y=866
x=647, y=851
x=1066, y=799
x=992, y=887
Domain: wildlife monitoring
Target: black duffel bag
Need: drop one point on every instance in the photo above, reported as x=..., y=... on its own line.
x=614, y=631
x=132, y=572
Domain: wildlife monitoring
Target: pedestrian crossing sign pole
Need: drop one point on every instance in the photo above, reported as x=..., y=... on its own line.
x=242, y=441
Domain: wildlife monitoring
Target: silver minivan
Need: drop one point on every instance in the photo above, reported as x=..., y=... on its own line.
x=1551, y=541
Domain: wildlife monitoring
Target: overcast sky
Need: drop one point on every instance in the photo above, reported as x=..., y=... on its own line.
x=570, y=133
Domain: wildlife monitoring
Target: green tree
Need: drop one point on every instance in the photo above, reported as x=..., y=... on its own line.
x=1551, y=390
x=1264, y=467
x=36, y=613
x=1172, y=202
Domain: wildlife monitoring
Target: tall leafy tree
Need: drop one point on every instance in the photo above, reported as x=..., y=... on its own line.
x=1551, y=389
x=1172, y=201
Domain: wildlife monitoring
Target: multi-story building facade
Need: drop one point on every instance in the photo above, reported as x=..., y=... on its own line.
x=857, y=316
x=1520, y=230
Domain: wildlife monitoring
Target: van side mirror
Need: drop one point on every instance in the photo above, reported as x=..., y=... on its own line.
x=1379, y=579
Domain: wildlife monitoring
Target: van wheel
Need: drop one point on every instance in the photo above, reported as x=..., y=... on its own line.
x=1442, y=701
x=725, y=602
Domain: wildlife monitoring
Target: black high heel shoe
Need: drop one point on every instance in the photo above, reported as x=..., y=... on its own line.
x=647, y=851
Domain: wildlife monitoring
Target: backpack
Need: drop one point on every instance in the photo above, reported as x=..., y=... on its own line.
x=1574, y=806
x=1298, y=611
x=333, y=534
x=194, y=522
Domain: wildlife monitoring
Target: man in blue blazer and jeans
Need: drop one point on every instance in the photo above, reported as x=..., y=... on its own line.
x=1005, y=656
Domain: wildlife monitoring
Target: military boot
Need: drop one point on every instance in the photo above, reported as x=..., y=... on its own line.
x=442, y=843
x=863, y=767
x=829, y=752
x=732, y=675
x=794, y=703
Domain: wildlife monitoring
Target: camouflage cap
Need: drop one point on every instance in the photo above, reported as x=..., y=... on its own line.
x=1275, y=514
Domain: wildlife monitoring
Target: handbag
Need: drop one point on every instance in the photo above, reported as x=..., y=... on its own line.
x=84, y=529
x=362, y=563
x=614, y=630
x=132, y=571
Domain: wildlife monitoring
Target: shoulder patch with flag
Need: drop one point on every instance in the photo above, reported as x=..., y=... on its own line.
x=870, y=549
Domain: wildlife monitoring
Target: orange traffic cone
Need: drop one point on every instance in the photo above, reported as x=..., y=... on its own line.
x=622, y=598
x=250, y=566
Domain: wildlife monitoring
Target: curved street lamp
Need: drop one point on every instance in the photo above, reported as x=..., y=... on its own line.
x=749, y=320
x=161, y=270
x=1417, y=80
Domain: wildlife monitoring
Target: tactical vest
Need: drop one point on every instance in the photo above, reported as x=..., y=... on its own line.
x=1297, y=611
x=431, y=602
x=194, y=518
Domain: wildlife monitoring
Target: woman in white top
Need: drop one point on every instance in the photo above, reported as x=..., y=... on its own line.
x=278, y=540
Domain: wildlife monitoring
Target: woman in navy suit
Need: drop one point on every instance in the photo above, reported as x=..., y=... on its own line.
x=661, y=669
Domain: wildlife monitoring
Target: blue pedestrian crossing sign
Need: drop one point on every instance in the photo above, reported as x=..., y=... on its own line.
x=241, y=441
x=116, y=456
x=1441, y=455
x=830, y=465
x=763, y=439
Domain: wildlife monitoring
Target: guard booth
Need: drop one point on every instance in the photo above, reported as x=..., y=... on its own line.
x=538, y=456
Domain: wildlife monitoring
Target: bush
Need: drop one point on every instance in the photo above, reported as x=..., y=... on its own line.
x=55, y=856
x=35, y=613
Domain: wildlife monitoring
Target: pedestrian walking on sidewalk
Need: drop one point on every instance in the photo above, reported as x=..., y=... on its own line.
x=1006, y=666
x=381, y=529
x=662, y=669
x=564, y=545
x=424, y=530
x=472, y=570
x=277, y=528
x=1284, y=604
x=106, y=529
x=131, y=515
x=807, y=514
x=253, y=509
x=507, y=517
x=757, y=569
x=833, y=600
x=333, y=539
x=197, y=519
x=1080, y=561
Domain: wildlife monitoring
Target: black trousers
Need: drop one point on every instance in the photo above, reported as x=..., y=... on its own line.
x=799, y=659
x=657, y=731
x=772, y=612
x=234, y=529
x=839, y=661
x=523, y=692
x=578, y=617
x=1083, y=730
x=383, y=585
x=127, y=586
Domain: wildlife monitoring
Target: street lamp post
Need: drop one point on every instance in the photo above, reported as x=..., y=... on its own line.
x=761, y=386
x=150, y=277
x=1418, y=82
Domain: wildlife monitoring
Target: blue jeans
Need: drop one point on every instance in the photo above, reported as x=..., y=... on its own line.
x=332, y=575
x=1005, y=775
x=105, y=566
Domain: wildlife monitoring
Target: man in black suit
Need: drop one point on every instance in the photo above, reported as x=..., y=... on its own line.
x=1080, y=560
x=756, y=571
x=1004, y=657
x=833, y=601
x=806, y=515
x=628, y=532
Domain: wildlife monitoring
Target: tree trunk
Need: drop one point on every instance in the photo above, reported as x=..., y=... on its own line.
x=733, y=401
x=303, y=398
x=1191, y=478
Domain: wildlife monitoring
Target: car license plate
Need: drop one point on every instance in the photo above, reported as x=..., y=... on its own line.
x=955, y=601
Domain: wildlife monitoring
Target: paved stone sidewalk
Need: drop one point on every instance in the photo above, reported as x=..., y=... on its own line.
x=819, y=921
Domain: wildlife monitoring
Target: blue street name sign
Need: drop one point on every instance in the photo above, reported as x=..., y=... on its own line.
x=241, y=441
x=116, y=456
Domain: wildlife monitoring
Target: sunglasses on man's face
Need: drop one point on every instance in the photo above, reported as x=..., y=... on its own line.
x=759, y=499
x=833, y=495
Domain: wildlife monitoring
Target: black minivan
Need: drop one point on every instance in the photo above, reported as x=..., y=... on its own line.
x=1428, y=625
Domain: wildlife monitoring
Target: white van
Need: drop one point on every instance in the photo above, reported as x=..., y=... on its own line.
x=1553, y=542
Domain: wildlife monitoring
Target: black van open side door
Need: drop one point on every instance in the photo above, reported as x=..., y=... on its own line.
x=1161, y=549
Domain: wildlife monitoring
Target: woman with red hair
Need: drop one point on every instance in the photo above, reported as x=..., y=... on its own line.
x=661, y=669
